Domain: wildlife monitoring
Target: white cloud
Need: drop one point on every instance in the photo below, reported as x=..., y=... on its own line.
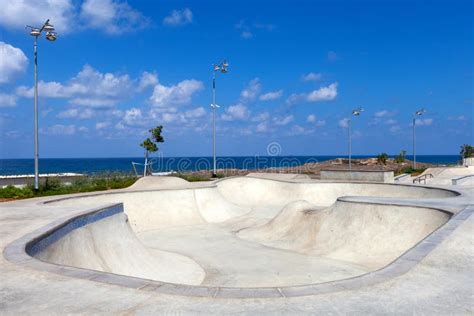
x=312, y=119
x=323, y=94
x=247, y=30
x=269, y=96
x=112, y=16
x=263, y=127
x=88, y=88
x=16, y=14
x=312, y=76
x=59, y=129
x=384, y=113
x=195, y=113
x=252, y=90
x=7, y=100
x=391, y=122
x=457, y=118
x=395, y=129
x=424, y=122
x=176, y=95
x=133, y=117
x=328, y=93
x=261, y=117
x=147, y=79
x=320, y=123
x=300, y=130
x=344, y=123
x=282, y=121
x=246, y=34
x=235, y=112
x=12, y=62
x=101, y=125
x=179, y=18
x=83, y=129
x=76, y=113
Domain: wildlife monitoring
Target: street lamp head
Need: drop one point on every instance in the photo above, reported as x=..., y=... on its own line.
x=48, y=27
x=357, y=111
x=35, y=32
x=224, y=66
x=51, y=36
x=420, y=112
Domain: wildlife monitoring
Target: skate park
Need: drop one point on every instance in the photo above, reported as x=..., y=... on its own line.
x=243, y=238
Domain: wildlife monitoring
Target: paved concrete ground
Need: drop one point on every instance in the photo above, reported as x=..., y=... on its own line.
x=441, y=283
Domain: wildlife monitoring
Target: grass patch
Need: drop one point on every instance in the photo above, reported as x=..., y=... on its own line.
x=195, y=177
x=53, y=186
x=411, y=171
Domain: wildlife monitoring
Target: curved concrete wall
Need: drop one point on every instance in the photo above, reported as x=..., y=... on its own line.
x=108, y=244
x=233, y=197
x=371, y=235
x=253, y=191
x=367, y=234
x=148, y=210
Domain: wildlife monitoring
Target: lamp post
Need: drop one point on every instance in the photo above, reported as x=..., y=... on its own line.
x=223, y=68
x=355, y=112
x=50, y=36
x=417, y=113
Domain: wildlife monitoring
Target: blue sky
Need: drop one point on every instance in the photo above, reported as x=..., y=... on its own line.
x=297, y=69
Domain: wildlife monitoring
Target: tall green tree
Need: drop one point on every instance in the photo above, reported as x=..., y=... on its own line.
x=467, y=151
x=150, y=144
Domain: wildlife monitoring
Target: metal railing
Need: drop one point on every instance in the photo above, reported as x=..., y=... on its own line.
x=423, y=178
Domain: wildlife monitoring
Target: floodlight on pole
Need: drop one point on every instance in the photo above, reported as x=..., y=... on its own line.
x=50, y=36
x=223, y=68
x=417, y=113
x=355, y=112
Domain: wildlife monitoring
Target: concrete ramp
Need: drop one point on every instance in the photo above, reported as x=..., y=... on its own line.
x=159, y=182
x=251, y=232
x=279, y=176
x=370, y=235
x=110, y=245
x=255, y=192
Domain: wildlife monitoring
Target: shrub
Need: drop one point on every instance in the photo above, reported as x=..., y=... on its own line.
x=400, y=158
x=382, y=158
x=12, y=192
x=467, y=151
x=53, y=186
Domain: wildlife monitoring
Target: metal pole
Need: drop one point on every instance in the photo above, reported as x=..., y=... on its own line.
x=414, y=148
x=36, y=117
x=214, y=123
x=350, y=146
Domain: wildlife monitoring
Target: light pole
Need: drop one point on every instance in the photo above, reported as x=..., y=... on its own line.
x=50, y=36
x=223, y=68
x=417, y=113
x=355, y=112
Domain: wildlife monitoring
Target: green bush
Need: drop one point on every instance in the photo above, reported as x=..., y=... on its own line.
x=53, y=186
x=410, y=170
x=400, y=158
x=467, y=151
x=11, y=192
x=382, y=158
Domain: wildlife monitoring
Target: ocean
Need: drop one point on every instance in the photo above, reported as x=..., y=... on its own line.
x=164, y=164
